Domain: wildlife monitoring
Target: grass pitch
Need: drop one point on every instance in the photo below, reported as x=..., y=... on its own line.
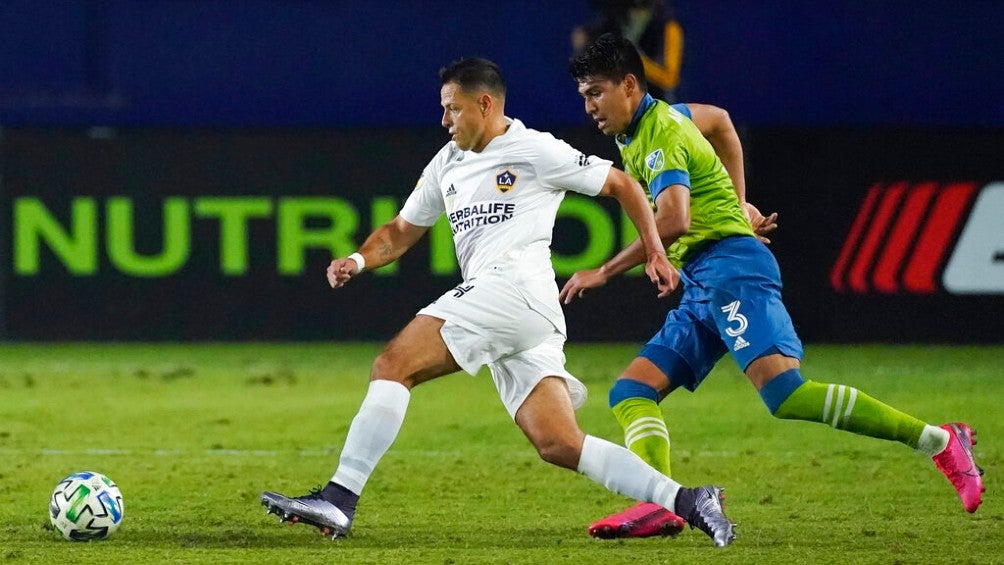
x=193, y=433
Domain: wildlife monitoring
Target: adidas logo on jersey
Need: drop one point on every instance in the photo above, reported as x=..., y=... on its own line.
x=740, y=343
x=451, y=191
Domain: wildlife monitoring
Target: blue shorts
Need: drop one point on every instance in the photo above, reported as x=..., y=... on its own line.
x=731, y=303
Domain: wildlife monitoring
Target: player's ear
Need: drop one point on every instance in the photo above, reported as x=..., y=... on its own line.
x=630, y=84
x=485, y=103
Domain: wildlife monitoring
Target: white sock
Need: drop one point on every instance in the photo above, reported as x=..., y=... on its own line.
x=623, y=472
x=372, y=432
x=933, y=440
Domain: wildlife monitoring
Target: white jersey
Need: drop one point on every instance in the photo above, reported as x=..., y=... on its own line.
x=501, y=203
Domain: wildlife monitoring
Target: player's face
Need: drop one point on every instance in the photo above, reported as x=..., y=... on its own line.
x=608, y=104
x=463, y=117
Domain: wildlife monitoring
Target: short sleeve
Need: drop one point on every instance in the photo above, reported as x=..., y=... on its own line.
x=425, y=204
x=667, y=168
x=562, y=167
x=683, y=109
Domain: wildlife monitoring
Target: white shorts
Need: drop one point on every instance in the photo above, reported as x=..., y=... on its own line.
x=488, y=321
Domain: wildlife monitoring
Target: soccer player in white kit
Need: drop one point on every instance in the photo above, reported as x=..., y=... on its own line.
x=500, y=185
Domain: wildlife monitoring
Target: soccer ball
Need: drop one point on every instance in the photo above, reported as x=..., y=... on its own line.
x=86, y=506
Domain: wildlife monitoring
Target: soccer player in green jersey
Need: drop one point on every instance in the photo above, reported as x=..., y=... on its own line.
x=732, y=294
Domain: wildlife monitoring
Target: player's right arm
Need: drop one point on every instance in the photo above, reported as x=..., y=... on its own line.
x=383, y=246
x=391, y=240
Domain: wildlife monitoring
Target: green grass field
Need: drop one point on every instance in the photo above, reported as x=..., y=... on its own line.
x=193, y=433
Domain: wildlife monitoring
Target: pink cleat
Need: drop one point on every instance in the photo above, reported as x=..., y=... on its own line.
x=957, y=463
x=642, y=520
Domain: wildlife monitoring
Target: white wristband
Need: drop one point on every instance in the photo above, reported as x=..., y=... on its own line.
x=360, y=261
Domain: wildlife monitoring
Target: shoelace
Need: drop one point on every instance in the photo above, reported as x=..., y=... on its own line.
x=314, y=494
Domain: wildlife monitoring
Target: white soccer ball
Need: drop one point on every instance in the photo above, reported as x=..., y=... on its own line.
x=86, y=506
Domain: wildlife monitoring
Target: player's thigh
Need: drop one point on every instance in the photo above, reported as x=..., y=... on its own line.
x=416, y=354
x=517, y=375
x=682, y=353
x=744, y=288
x=753, y=323
x=487, y=319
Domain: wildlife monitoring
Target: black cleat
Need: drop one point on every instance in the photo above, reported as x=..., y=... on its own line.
x=702, y=508
x=309, y=509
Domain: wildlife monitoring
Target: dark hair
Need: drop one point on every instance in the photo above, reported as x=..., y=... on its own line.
x=474, y=74
x=609, y=57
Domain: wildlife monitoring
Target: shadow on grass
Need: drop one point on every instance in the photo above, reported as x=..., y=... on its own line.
x=383, y=538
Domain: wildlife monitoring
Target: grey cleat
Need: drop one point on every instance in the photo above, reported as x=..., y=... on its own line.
x=702, y=508
x=308, y=509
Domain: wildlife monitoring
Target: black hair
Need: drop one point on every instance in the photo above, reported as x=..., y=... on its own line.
x=474, y=74
x=610, y=57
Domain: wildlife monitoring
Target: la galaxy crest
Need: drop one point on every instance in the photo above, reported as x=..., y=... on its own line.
x=506, y=180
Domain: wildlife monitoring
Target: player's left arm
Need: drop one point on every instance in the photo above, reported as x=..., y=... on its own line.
x=716, y=126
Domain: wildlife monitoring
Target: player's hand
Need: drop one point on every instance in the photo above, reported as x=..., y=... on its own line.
x=762, y=225
x=662, y=273
x=340, y=271
x=580, y=282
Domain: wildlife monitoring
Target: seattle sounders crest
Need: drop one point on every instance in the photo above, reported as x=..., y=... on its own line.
x=655, y=160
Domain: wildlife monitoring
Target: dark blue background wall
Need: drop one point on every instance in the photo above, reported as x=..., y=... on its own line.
x=311, y=62
x=835, y=98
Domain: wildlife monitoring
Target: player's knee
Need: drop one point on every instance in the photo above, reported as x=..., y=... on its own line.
x=386, y=367
x=559, y=451
x=778, y=389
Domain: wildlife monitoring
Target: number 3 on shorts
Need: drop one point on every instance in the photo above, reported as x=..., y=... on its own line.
x=732, y=309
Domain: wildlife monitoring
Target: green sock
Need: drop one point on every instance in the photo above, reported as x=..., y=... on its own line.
x=847, y=408
x=645, y=431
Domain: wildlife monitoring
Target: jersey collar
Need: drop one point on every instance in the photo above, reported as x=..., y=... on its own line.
x=514, y=126
x=646, y=102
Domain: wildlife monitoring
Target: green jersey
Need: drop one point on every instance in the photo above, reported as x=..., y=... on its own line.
x=663, y=147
